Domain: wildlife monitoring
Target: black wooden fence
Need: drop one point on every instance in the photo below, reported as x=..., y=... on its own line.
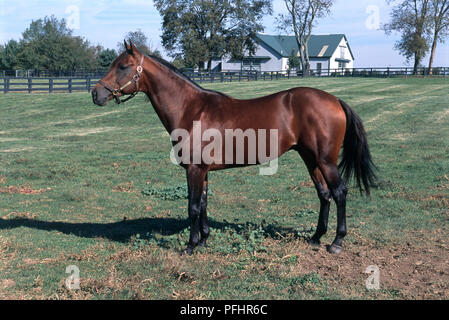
x=53, y=74
x=71, y=84
x=50, y=85
x=230, y=76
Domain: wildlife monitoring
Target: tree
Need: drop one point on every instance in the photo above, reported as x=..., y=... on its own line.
x=9, y=55
x=301, y=18
x=178, y=63
x=294, y=61
x=199, y=30
x=48, y=44
x=439, y=15
x=411, y=19
x=140, y=40
x=106, y=57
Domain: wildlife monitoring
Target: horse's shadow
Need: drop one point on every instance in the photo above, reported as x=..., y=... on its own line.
x=123, y=231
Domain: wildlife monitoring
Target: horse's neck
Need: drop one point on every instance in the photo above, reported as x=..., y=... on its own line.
x=170, y=94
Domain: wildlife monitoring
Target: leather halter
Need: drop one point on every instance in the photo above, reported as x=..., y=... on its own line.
x=117, y=93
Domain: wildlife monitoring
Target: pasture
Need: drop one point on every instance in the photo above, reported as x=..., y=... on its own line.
x=94, y=187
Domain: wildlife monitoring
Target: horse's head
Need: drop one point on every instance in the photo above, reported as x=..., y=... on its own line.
x=122, y=78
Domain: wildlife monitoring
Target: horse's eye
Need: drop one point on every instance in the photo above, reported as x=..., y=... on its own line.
x=123, y=67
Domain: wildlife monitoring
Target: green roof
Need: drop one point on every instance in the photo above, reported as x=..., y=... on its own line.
x=284, y=45
x=258, y=57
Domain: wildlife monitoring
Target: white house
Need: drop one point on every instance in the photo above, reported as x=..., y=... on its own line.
x=272, y=53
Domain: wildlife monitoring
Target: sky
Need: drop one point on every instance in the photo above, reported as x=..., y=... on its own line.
x=106, y=22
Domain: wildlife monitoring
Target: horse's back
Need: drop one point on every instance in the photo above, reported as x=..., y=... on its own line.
x=302, y=115
x=296, y=107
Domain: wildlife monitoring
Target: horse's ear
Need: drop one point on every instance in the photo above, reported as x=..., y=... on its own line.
x=132, y=47
x=128, y=48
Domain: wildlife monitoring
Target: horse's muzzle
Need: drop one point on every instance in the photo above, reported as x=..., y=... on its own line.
x=99, y=101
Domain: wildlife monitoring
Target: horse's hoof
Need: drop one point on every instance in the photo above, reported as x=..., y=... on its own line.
x=187, y=252
x=203, y=244
x=334, y=249
x=314, y=242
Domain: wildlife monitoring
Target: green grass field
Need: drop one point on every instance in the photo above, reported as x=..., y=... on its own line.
x=71, y=182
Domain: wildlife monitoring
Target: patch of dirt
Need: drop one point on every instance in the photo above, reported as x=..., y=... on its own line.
x=307, y=184
x=30, y=261
x=89, y=288
x=124, y=187
x=8, y=283
x=22, y=190
x=20, y=215
x=407, y=271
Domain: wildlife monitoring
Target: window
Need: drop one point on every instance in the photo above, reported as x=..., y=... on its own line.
x=342, y=52
x=251, y=65
x=323, y=51
x=341, y=64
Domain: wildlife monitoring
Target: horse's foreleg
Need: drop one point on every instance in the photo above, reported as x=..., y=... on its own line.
x=204, y=225
x=195, y=180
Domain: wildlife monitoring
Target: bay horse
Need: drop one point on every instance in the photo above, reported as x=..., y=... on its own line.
x=309, y=121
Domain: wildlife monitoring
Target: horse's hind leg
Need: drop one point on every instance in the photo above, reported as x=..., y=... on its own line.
x=323, y=194
x=339, y=192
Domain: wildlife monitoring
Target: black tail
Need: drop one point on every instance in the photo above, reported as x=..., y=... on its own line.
x=356, y=158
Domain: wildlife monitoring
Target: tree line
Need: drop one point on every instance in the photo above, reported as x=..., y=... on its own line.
x=194, y=32
x=48, y=44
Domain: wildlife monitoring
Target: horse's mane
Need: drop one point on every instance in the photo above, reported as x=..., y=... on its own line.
x=171, y=67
